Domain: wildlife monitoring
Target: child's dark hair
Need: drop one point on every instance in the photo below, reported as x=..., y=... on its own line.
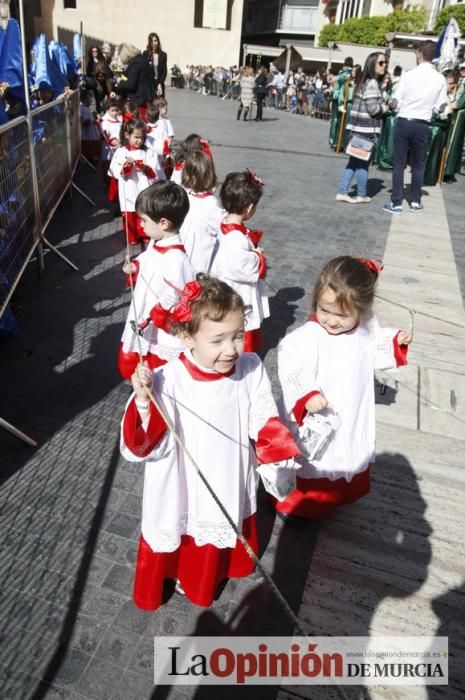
x=351, y=280
x=238, y=191
x=110, y=102
x=199, y=172
x=216, y=300
x=164, y=200
x=129, y=127
x=159, y=103
x=130, y=107
x=182, y=149
x=153, y=114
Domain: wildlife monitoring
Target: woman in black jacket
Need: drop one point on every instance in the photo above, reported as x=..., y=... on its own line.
x=158, y=61
x=139, y=86
x=261, y=82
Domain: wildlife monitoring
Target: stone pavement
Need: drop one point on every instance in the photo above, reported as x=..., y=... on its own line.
x=392, y=563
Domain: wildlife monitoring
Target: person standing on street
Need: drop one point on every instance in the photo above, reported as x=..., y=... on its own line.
x=420, y=92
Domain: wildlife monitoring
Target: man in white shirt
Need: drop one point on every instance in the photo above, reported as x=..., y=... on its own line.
x=420, y=92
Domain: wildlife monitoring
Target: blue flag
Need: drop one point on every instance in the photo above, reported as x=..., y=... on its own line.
x=11, y=59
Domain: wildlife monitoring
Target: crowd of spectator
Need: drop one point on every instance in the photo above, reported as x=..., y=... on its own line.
x=309, y=94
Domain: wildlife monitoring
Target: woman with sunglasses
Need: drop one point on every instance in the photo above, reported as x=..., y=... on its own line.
x=365, y=120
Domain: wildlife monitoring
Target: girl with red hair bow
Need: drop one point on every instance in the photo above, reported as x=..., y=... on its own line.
x=219, y=401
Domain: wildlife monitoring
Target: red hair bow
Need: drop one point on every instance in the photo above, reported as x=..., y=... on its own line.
x=182, y=312
x=375, y=265
x=204, y=146
x=127, y=116
x=254, y=177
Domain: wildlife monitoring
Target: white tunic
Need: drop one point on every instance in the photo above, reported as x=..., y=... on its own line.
x=152, y=288
x=111, y=129
x=155, y=140
x=237, y=264
x=199, y=231
x=216, y=420
x=341, y=367
x=136, y=181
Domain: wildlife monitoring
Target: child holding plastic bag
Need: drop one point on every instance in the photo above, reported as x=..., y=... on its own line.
x=326, y=369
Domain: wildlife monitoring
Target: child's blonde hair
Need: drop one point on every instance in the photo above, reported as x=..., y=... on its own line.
x=352, y=281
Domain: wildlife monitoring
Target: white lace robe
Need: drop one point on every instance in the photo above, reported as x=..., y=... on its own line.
x=341, y=367
x=155, y=270
x=216, y=420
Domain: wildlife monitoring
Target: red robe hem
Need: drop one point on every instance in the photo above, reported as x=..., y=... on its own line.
x=318, y=498
x=200, y=570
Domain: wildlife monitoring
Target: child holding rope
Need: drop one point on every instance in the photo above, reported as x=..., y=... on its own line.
x=239, y=261
x=134, y=167
x=199, y=232
x=155, y=274
x=326, y=369
x=219, y=401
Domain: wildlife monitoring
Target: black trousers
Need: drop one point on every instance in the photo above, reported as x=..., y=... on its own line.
x=410, y=136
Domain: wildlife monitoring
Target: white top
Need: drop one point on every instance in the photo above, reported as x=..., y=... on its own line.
x=129, y=186
x=152, y=288
x=217, y=421
x=168, y=126
x=199, y=231
x=237, y=264
x=111, y=129
x=341, y=367
x=420, y=91
x=176, y=175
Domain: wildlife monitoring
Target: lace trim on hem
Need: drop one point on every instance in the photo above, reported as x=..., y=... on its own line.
x=219, y=534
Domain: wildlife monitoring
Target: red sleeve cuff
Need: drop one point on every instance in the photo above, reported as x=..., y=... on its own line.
x=160, y=317
x=136, y=439
x=261, y=265
x=275, y=443
x=400, y=352
x=149, y=172
x=299, y=409
x=134, y=275
x=127, y=169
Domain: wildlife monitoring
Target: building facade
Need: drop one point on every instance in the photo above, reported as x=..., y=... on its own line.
x=195, y=32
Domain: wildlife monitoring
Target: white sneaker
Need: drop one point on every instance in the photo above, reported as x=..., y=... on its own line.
x=345, y=198
x=178, y=588
x=363, y=200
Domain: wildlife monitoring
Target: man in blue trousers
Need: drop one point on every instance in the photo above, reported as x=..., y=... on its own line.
x=420, y=92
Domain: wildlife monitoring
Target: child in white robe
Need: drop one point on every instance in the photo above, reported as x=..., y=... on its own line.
x=220, y=402
x=326, y=368
x=156, y=138
x=240, y=261
x=191, y=143
x=200, y=229
x=156, y=275
x=134, y=167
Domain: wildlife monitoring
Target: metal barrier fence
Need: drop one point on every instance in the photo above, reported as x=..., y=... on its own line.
x=38, y=157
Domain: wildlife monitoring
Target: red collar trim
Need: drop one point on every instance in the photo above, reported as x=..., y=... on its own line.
x=201, y=375
x=135, y=148
x=201, y=195
x=179, y=166
x=166, y=248
x=227, y=228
